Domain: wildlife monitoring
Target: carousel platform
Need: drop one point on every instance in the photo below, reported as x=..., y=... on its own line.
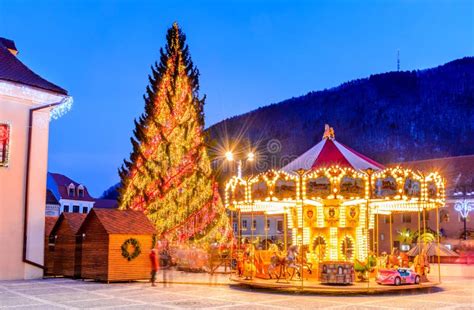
x=312, y=286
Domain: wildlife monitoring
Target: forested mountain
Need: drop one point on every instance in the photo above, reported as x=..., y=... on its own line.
x=390, y=117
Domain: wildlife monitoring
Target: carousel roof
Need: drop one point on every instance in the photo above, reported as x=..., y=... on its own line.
x=329, y=152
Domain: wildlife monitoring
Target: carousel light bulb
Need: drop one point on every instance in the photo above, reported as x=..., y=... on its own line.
x=251, y=156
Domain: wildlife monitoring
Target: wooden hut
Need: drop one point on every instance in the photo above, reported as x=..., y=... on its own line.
x=66, y=256
x=116, y=245
x=49, y=222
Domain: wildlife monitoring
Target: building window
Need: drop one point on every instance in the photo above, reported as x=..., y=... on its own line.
x=406, y=218
x=254, y=225
x=268, y=225
x=235, y=227
x=280, y=226
x=70, y=190
x=4, y=144
x=75, y=209
x=66, y=208
x=80, y=192
x=85, y=209
x=244, y=224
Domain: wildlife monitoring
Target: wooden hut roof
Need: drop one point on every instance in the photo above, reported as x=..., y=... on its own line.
x=123, y=221
x=49, y=222
x=74, y=220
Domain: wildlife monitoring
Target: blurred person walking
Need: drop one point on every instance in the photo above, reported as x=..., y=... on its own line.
x=154, y=265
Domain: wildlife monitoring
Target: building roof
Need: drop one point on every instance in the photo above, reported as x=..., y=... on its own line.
x=329, y=152
x=106, y=204
x=13, y=70
x=123, y=221
x=58, y=185
x=73, y=220
x=49, y=222
x=458, y=171
x=50, y=198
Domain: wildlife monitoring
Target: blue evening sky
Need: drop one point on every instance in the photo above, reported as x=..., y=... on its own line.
x=250, y=54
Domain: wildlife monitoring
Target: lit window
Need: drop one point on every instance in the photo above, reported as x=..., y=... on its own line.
x=4, y=144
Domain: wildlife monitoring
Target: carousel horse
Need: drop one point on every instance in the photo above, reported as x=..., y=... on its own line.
x=275, y=261
x=422, y=264
x=290, y=261
x=394, y=259
x=363, y=269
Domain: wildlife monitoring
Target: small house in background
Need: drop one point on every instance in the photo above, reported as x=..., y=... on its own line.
x=49, y=223
x=116, y=245
x=66, y=258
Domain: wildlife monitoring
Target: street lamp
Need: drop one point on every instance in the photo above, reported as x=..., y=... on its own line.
x=229, y=156
x=464, y=207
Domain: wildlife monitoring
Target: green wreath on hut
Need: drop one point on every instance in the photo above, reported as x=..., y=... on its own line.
x=137, y=249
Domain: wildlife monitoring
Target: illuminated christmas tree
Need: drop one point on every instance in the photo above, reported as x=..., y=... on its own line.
x=169, y=175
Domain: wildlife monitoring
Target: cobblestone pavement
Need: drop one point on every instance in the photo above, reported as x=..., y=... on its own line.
x=59, y=293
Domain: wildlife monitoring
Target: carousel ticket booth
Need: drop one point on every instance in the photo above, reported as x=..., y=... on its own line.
x=330, y=198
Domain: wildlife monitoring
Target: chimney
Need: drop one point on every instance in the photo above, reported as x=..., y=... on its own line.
x=10, y=45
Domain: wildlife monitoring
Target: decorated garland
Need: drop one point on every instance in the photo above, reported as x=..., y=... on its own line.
x=126, y=254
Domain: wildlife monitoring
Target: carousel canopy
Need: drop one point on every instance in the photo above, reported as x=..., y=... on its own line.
x=329, y=152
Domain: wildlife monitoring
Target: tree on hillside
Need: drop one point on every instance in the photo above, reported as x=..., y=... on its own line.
x=169, y=175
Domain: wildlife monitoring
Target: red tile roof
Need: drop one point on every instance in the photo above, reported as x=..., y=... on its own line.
x=49, y=222
x=62, y=183
x=123, y=221
x=13, y=70
x=73, y=220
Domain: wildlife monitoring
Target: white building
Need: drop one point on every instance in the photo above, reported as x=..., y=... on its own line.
x=72, y=196
x=26, y=103
x=52, y=205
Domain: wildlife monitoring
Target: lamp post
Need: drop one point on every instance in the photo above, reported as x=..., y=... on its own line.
x=229, y=156
x=464, y=207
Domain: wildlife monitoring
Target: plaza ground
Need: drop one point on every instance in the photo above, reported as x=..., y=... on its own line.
x=61, y=293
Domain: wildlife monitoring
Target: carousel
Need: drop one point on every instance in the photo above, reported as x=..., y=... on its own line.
x=330, y=199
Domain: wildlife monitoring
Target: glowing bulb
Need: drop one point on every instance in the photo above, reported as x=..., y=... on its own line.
x=250, y=156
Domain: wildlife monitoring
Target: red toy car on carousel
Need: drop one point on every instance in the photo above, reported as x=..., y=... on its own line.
x=397, y=276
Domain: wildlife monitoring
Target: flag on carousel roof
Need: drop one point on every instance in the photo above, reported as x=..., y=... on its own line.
x=329, y=152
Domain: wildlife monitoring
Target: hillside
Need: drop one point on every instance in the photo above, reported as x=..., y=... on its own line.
x=391, y=117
